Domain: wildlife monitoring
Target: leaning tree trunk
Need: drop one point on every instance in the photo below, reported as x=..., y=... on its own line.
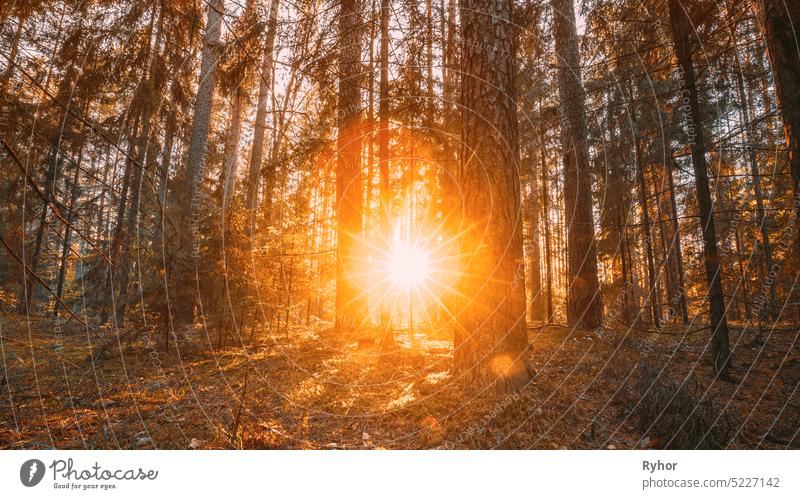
x=196, y=162
x=12, y=56
x=681, y=33
x=491, y=335
x=150, y=93
x=239, y=101
x=745, y=118
x=350, y=300
x=30, y=285
x=584, y=303
x=264, y=87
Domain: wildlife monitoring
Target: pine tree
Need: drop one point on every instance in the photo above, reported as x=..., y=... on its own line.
x=584, y=302
x=681, y=34
x=491, y=336
x=350, y=299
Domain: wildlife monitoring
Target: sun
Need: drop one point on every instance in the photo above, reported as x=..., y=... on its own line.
x=408, y=265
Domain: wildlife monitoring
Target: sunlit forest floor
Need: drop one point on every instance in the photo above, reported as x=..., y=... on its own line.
x=309, y=388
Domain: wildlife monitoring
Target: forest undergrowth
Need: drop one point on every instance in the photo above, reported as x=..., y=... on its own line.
x=307, y=387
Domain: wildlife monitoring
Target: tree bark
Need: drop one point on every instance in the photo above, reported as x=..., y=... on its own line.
x=584, y=302
x=163, y=176
x=384, y=154
x=448, y=173
x=65, y=245
x=142, y=154
x=681, y=34
x=745, y=118
x=201, y=120
x=672, y=293
x=641, y=184
x=780, y=21
x=430, y=105
x=491, y=336
x=546, y=217
x=264, y=87
x=196, y=162
x=232, y=152
x=30, y=285
x=533, y=267
x=350, y=299
x=677, y=253
x=234, y=138
x=368, y=223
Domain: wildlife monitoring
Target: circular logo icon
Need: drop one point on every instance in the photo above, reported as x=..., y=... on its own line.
x=31, y=472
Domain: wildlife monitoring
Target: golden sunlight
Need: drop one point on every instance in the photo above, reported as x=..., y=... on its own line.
x=408, y=265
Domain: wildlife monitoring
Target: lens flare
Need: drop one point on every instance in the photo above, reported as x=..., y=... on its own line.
x=408, y=265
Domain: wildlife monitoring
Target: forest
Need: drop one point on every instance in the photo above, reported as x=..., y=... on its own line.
x=399, y=224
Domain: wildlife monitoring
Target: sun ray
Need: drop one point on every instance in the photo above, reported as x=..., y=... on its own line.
x=408, y=265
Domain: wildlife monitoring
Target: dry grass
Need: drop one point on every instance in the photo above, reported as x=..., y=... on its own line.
x=313, y=389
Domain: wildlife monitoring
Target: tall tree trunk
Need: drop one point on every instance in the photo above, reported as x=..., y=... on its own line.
x=491, y=336
x=350, y=299
x=533, y=266
x=383, y=164
x=626, y=289
x=450, y=61
x=617, y=204
x=780, y=21
x=443, y=53
x=30, y=285
x=12, y=55
x=641, y=184
x=430, y=105
x=743, y=274
x=368, y=224
x=65, y=245
x=142, y=154
x=196, y=160
x=131, y=232
x=238, y=109
x=163, y=176
x=448, y=173
x=584, y=302
x=746, y=119
x=548, y=263
x=232, y=149
x=681, y=34
x=264, y=88
x=201, y=120
x=100, y=234
x=66, y=89
x=672, y=295
x=119, y=220
x=677, y=253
